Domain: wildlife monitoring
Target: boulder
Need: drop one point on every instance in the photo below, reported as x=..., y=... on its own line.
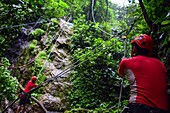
x=51, y=103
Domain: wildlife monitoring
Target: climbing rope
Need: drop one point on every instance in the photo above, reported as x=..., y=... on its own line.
x=25, y=93
x=121, y=87
x=71, y=67
x=95, y=21
x=33, y=58
x=50, y=53
x=24, y=24
x=132, y=25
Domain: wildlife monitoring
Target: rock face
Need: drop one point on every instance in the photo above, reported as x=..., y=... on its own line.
x=54, y=59
x=50, y=102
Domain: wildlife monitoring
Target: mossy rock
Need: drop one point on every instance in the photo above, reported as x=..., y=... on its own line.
x=38, y=32
x=33, y=44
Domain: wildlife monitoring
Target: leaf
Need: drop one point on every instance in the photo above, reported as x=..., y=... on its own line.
x=165, y=22
x=160, y=19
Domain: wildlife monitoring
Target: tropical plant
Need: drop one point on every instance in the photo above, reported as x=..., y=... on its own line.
x=8, y=84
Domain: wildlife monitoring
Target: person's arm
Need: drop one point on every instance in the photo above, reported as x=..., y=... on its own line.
x=122, y=67
x=120, y=74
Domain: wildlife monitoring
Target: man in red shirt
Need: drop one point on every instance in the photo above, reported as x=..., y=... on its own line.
x=147, y=78
x=26, y=98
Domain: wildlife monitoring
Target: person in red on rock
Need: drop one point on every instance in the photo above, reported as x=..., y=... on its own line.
x=26, y=98
x=147, y=78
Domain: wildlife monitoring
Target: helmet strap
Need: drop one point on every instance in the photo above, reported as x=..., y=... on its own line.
x=133, y=51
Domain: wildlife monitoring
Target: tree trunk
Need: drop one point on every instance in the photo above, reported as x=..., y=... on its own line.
x=149, y=23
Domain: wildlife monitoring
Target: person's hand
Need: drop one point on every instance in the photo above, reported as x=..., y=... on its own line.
x=123, y=58
x=113, y=36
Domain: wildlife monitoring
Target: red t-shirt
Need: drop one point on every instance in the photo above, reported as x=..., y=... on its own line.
x=147, y=79
x=29, y=86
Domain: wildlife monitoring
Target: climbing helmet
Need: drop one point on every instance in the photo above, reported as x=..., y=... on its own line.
x=144, y=41
x=34, y=78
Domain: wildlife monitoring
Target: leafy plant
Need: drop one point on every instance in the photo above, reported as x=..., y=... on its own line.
x=8, y=84
x=94, y=81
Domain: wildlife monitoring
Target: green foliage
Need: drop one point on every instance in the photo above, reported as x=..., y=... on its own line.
x=93, y=81
x=38, y=32
x=33, y=44
x=80, y=110
x=17, y=12
x=8, y=84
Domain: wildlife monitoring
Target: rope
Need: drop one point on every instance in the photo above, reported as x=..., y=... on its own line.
x=132, y=25
x=43, y=84
x=64, y=71
x=24, y=24
x=51, y=50
x=121, y=88
x=71, y=66
x=33, y=58
x=49, y=53
x=95, y=21
x=84, y=60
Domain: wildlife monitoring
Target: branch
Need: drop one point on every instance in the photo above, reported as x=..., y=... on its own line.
x=149, y=23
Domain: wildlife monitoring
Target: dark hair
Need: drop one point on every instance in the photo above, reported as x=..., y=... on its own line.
x=140, y=51
x=33, y=81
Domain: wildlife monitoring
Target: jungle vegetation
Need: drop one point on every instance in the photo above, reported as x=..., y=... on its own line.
x=95, y=82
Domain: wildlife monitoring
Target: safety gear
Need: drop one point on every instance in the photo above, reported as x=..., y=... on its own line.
x=133, y=51
x=144, y=41
x=34, y=78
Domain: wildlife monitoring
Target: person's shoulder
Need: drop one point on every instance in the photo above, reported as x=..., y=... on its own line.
x=129, y=59
x=153, y=59
x=157, y=60
x=30, y=81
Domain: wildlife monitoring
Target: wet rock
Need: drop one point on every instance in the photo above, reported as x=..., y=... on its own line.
x=55, y=97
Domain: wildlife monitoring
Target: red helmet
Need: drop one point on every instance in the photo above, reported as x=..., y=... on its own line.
x=144, y=41
x=34, y=78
